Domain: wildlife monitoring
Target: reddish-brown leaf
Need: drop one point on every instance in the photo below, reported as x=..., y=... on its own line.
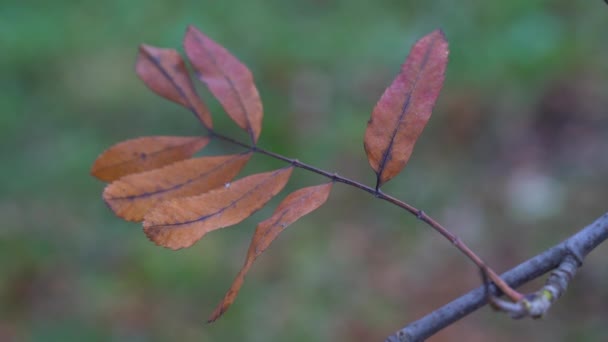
x=132, y=196
x=294, y=206
x=405, y=107
x=179, y=223
x=142, y=154
x=165, y=73
x=228, y=79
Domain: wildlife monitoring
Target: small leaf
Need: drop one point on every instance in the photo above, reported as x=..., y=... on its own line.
x=228, y=79
x=142, y=154
x=294, y=206
x=165, y=73
x=179, y=223
x=405, y=107
x=132, y=196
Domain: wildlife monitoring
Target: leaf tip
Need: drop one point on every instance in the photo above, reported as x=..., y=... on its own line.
x=148, y=50
x=95, y=170
x=162, y=241
x=153, y=229
x=191, y=28
x=215, y=315
x=192, y=32
x=440, y=32
x=118, y=210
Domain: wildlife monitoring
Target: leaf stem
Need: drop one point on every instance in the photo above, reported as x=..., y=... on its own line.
x=421, y=215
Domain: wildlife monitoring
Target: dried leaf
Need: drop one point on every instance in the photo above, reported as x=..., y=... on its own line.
x=294, y=206
x=142, y=154
x=405, y=107
x=228, y=79
x=165, y=73
x=179, y=223
x=132, y=196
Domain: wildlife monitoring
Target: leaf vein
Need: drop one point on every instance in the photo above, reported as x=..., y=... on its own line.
x=233, y=88
x=406, y=103
x=220, y=211
x=177, y=186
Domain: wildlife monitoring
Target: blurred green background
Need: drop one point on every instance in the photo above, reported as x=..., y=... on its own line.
x=513, y=161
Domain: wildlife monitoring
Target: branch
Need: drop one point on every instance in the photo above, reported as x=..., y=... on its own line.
x=568, y=255
x=421, y=215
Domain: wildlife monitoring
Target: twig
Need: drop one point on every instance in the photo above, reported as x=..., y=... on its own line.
x=421, y=215
x=567, y=257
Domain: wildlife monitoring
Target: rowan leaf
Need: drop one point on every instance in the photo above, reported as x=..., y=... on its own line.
x=405, y=107
x=145, y=153
x=132, y=196
x=165, y=73
x=293, y=207
x=228, y=79
x=179, y=223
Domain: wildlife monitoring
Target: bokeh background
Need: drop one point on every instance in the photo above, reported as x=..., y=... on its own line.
x=513, y=161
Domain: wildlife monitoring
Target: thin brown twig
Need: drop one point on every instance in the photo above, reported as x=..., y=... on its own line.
x=511, y=293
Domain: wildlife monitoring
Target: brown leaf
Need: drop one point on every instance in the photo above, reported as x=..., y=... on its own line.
x=294, y=206
x=142, y=154
x=405, y=107
x=165, y=73
x=228, y=79
x=179, y=223
x=132, y=196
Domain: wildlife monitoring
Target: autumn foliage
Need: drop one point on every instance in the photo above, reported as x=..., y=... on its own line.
x=405, y=107
x=180, y=198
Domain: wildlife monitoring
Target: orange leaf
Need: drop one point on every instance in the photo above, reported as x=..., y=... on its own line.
x=179, y=223
x=228, y=79
x=294, y=206
x=165, y=73
x=132, y=196
x=405, y=107
x=146, y=153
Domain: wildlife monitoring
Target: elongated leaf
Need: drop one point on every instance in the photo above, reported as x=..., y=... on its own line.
x=179, y=223
x=294, y=206
x=146, y=153
x=228, y=79
x=405, y=107
x=132, y=196
x=165, y=73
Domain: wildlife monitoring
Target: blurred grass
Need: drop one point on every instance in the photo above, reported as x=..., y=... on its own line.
x=521, y=125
